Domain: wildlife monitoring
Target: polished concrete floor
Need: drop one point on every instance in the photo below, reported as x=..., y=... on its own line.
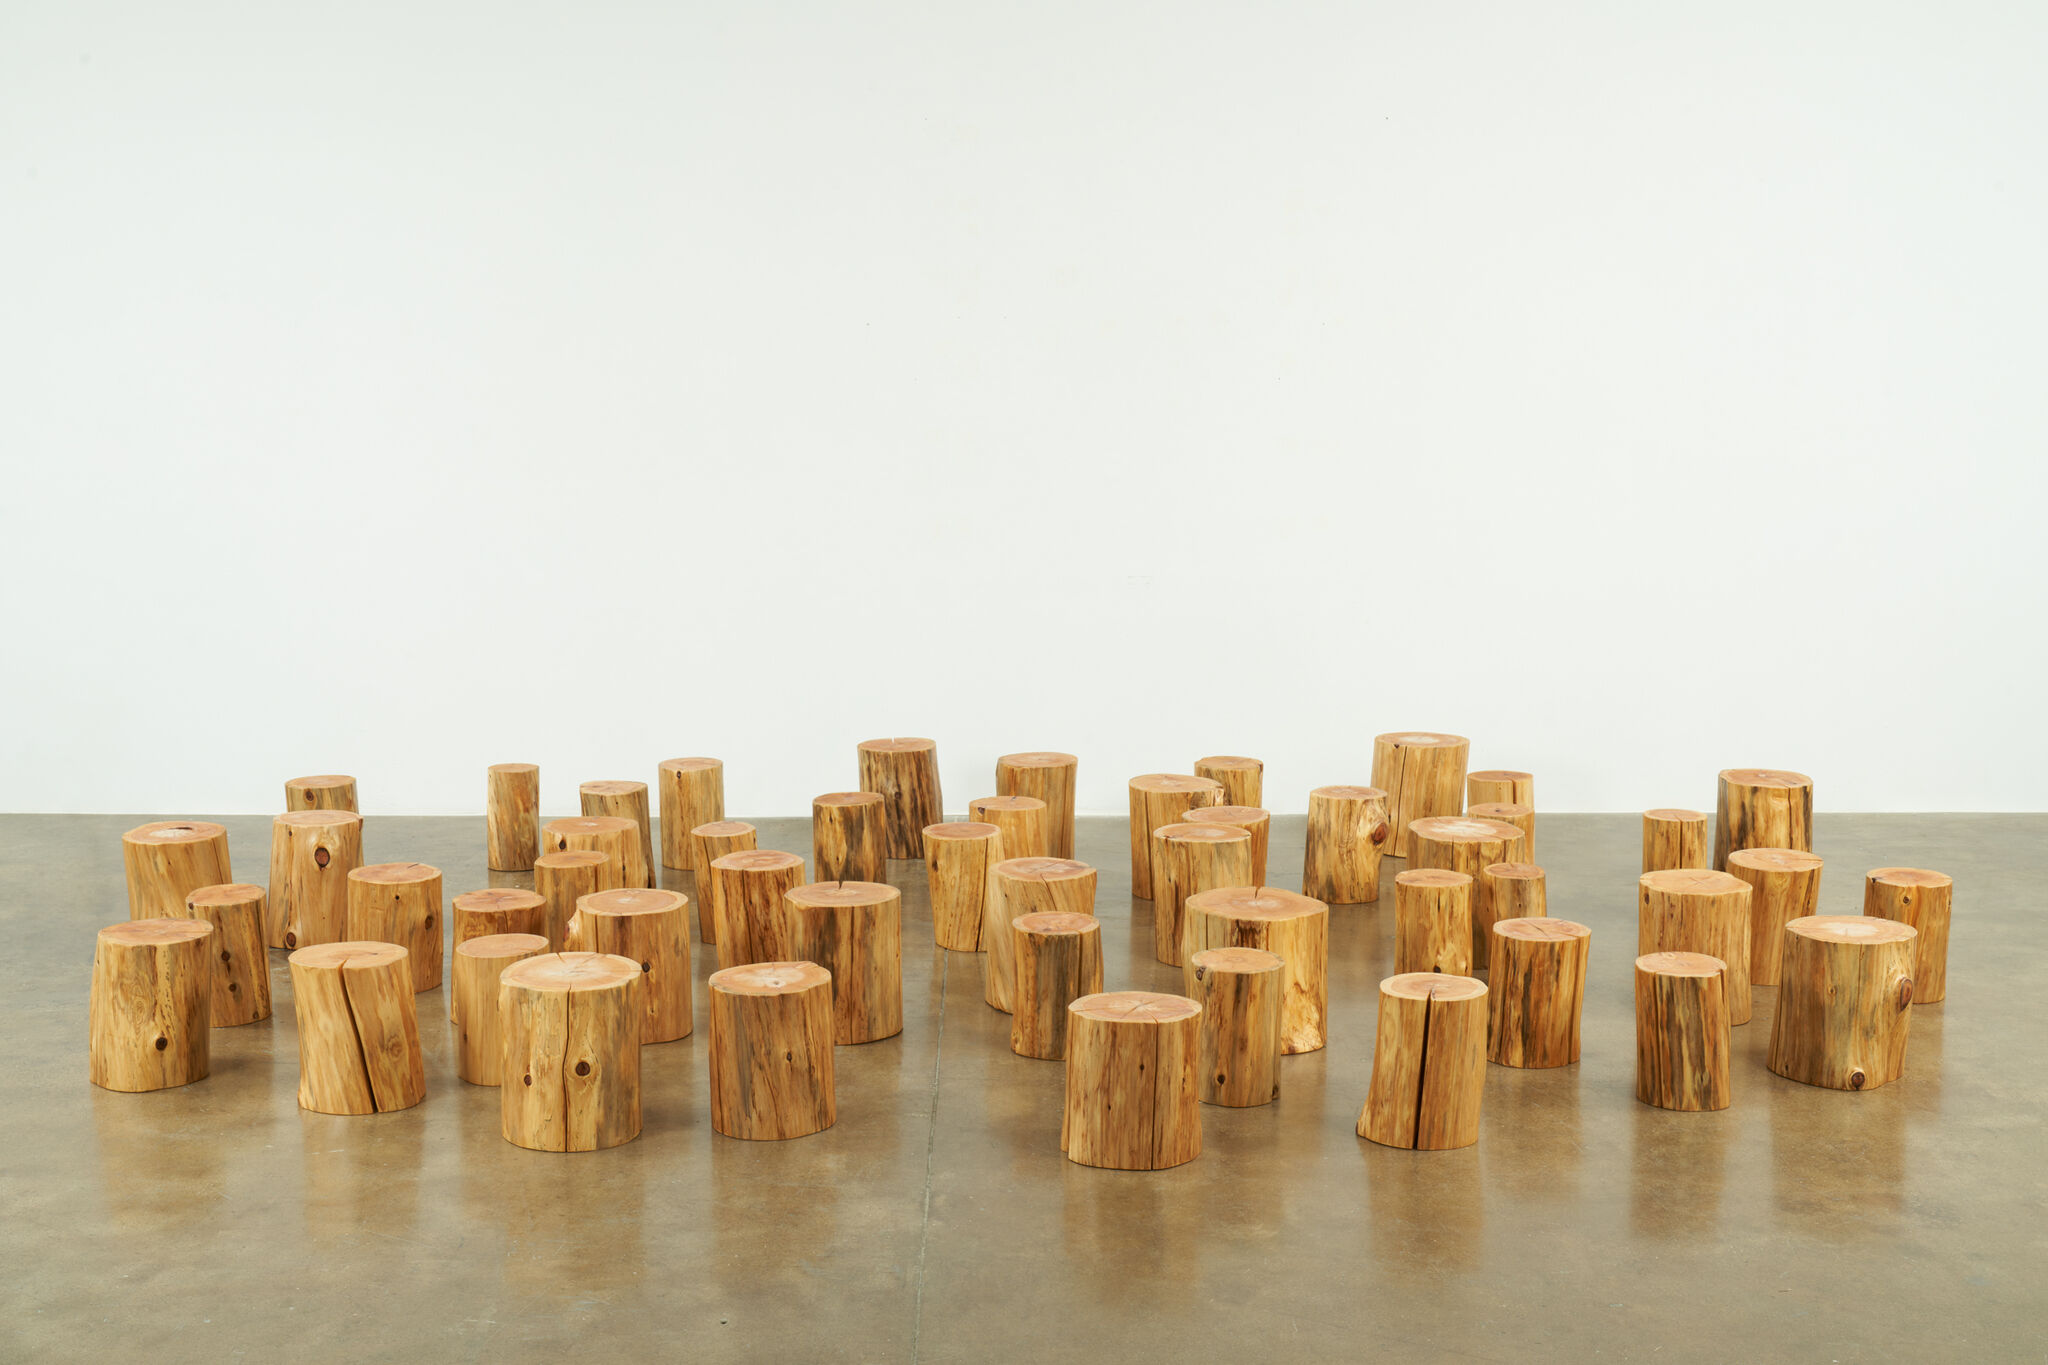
x=938, y=1220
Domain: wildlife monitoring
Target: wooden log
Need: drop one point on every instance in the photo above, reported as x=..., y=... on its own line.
x=708, y=843
x=1536, y=985
x=1187, y=859
x=1019, y=887
x=1505, y=891
x=399, y=903
x=511, y=816
x=1428, y=1063
x=499, y=910
x=1241, y=991
x=1675, y=839
x=1513, y=813
x=168, y=860
x=571, y=1070
x=625, y=801
x=615, y=836
x=771, y=1051
x=854, y=930
x=1457, y=843
x=1423, y=775
x=1682, y=1031
x=1059, y=960
x=1784, y=885
x=1843, y=1006
x=849, y=837
x=1433, y=922
x=749, y=904
x=311, y=854
x=1252, y=820
x=1915, y=896
x=1132, y=1096
x=149, y=1017
x=1049, y=776
x=241, y=968
x=359, y=1035
x=651, y=928
x=328, y=791
x=906, y=773
x=1293, y=927
x=692, y=794
x=1347, y=834
x=1022, y=819
x=1762, y=808
x=1690, y=910
x=1243, y=779
x=564, y=878
x=957, y=859
x=1162, y=799
x=1492, y=785
x=479, y=1026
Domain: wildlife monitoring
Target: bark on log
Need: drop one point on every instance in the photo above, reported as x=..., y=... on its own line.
x=562, y=879
x=1423, y=775
x=1688, y=910
x=1428, y=1063
x=328, y=791
x=311, y=854
x=1500, y=785
x=652, y=929
x=906, y=773
x=1022, y=819
x=1915, y=896
x=1536, y=983
x=1162, y=799
x=1762, y=808
x=1293, y=927
x=1252, y=820
x=149, y=1019
x=1049, y=776
x=625, y=801
x=692, y=794
x=1844, y=1006
x=1682, y=1031
x=399, y=903
x=1188, y=859
x=479, y=1026
x=1675, y=839
x=168, y=860
x=749, y=906
x=771, y=1051
x=359, y=1035
x=615, y=836
x=241, y=968
x=511, y=816
x=1784, y=885
x=854, y=930
x=708, y=843
x=1505, y=891
x=849, y=837
x=1131, y=1089
x=1513, y=813
x=1026, y=886
x=957, y=859
x=1243, y=779
x=1059, y=960
x=1347, y=835
x=1433, y=922
x=1241, y=991
x=571, y=1069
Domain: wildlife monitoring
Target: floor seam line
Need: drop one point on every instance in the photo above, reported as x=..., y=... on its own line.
x=931, y=1142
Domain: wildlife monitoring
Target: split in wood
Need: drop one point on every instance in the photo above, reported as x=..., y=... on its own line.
x=1428, y=1063
x=1423, y=775
x=359, y=1037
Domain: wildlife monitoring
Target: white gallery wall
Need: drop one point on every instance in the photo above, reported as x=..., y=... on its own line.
x=1640, y=390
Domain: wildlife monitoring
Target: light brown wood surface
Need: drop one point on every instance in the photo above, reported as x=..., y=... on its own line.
x=149, y=1016
x=1505, y=891
x=1923, y=899
x=615, y=836
x=1513, y=813
x=1049, y=776
x=1762, y=808
x=1423, y=775
x=1132, y=1102
x=311, y=854
x=562, y=879
x=399, y=903
x=1162, y=799
x=749, y=905
x=359, y=1035
x=622, y=800
x=1252, y=820
x=1188, y=859
x=1844, y=1003
x=1428, y=1063
x=1490, y=785
x=957, y=859
x=1674, y=838
x=708, y=843
x=652, y=930
x=473, y=988
x=906, y=773
x=1682, y=1031
x=1784, y=885
x=1536, y=986
x=511, y=816
x=1458, y=843
x=854, y=930
x=1692, y=910
x=849, y=837
x=1295, y=928
x=167, y=860
x=1022, y=819
x=241, y=967
x=1243, y=779
x=771, y=1051
x=1433, y=922
x=1059, y=960
x=570, y=1079
x=1347, y=836
x=1241, y=991
x=692, y=794
x=1026, y=886
x=326, y=791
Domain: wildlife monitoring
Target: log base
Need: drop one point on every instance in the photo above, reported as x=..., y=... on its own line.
x=692, y=794
x=1049, y=776
x=1695, y=911
x=1423, y=775
x=167, y=860
x=652, y=930
x=957, y=859
x=906, y=773
x=562, y=879
x=511, y=816
x=1293, y=927
x=1026, y=886
x=747, y=901
x=1433, y=922
x=1675, y=839
x=1784, y=885
x=708, y=843
x=849, y=837
x=1915, y=896
x=1348, y=831
x=399, y=903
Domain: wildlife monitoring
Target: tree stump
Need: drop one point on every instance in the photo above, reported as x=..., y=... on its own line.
x=359, y=1035
x=957, y=859
x=479, y=1026
x=241, y=969
x=1423, y=776
x=1162, y=799
x=1675, y=839
x=1762, y=808
x=149, y=1021
x=1513, y=813
x=511, y=816
x=1784, y=885
x=311, y=854
x=1242, y=779
x=1457, y=843
x=1131, y=1087
x=1026, y=886
x=1689, y=910
x=1020, y=818
x=1843, y=1006
x=771, y=1051
x=1241, y=991
x=499, y=910
x=1682, y=1031
x=1915, y=896
x=170, y=859
x=854, y=930
x=399, y=903
x=571, y=1070
x=1252, y=820
x=849, y=836
x=692, y=794
x=1187, y=859
x=328, y=791
x=1294, y=928
x=1505, y=891
x=625, y=801
x=708, y=843
x=906, y=773
x=1428, y=1062
x=749, y=904
x=1536, y=977
x=1048, y=776
x=615, y=836
x=1347, y=835
x=1500, y=785
x=562, y=879
x=651, y=928
x=1433, y=922
x=1059, y=960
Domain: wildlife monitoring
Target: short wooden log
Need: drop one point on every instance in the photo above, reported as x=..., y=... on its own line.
x=692, y=794
x=399, y=903
x=652, y=929
x=1059, y=960
x=906, y=773
x=854, y=930
x=1241, y=991
x=1784, y=885
x=1252, y=820
x=359, y=1035
x=1019, y=887
x=1188, y=859
x=1513, y=813
x=327, y=791
x=1691, y=910
x=1505, y=891
x=1049, y=776
x=1457, y=843
x=479, y=1026
x=1491, y=785
x=1921, y=898
x=1022, y=819
x=311, y=854
x=1428, y=1063
x=1675, y=839
x=749, y=905
x=562, y=879
x=1844, y=1003
x=1423, y=775
x=957, y=859
x=498, y=910
x=149, y=1019
x=1347, y=836
x=1682, y=1031
x=771, y=1051
x=708, y=843
x=511, y=816
x=625, y=801
x=1433, y=922
x=1293, y=927
x=241, y=968
x=1162, y=799
x=168, y=860
x=1762, y=808
x=1536, y=984
x=1132, y=1091
x=615, y=836
x=1243, y=779
x=570, y=1079
x=849, y=837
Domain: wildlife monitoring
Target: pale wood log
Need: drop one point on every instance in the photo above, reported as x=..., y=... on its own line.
x=570, y=1078
x=1516, y=890
x=906, y=773
x=651, y=928
x=771, y=1051
x=1458, y=843
x=849, y=837
x=1513, y=813
x=1162, y=799
x=149, y=1017
x=1132, y=1096
x=1347, y=835
x=327, y=791
x=1675, y=839
x=1492, y=785
x=1433, y=922
x=1022, y=819
x=1423, y=775
x=1059, y=960
x=957, y=859
x=498, y=910
x=1241, y=992
x=1921, y=898
x=1762, y=808
x=692, y=794
x=854, y=930
x=473, y=989
x=1187, y=859
x=615, y=836
x=311, y=854
x=1293, y=927
x=359, y=1035
x=1252, y=820
x=1536, y=985
x=241, y=968
x=564, y=878
x=1026, y=886
x=625, y=801
x=1692, y=910
x=168, y=860
x=1050, y=777
x=1428, y=1063
x=511, y=816
x=1844, y=1003
x=399, y=903
x=708, y=843
x=1682, y=1031
x=1784, y=885
x=1243, y=779
x=749, y=905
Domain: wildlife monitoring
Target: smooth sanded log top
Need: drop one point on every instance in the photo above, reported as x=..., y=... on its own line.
x=1514, y=871
x=612, y=788
x=1235, y=763
x=317, y=819
x=1765, y=777
x=1463, y=829
x=988, y=803
x=349, y=953
x=177, y=832
x=1432, y=986
x=1436, y=876
x=770, y=978
x=1174, y=782
x=723, y=829
x=499, y=899
x=502, y=945
x=322, y=780
x=1055, y=922
x=848, y=799
x=842, y=893
x=567, y=972
x=394, y=874
x=1777, y=860
x=1237, y=960
x=1692, y=881
x=909, y=745
x=1256, y=902
x=631, y=901
x=1681, y=964
x=1197, y=833
x=1508, y=812
x=690, y=765
x=151, y=933
x=1851, y=929
x=227, y=893
x=756, y=860
x=1042, y=758
x=1541, y=930
x=514, y=769
x=1890, y=876
x=962, y=829
x=1042, y=869
x=1422, y=739
x=572, y=857
x=1346, y=793
x=1674, y=813
x=1499, y=775
x=1134, y=1007
x=591, y=824
x=1226, y=815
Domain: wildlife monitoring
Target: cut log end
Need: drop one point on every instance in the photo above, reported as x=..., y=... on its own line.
x=1144, y=1007
x=770, y=978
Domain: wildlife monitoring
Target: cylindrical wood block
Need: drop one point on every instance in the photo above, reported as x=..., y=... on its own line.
x=564, y=878
x=651, y=928
x=170, y=859
x=1187, y=859
x=1252, y=820
x=511, y=816
x=1059, y=960
x=1505, y=891
x=854, y=930
x=1132, y=1095
x=399, y=903
x=1428, y=1062
x=1241, y=991
x=1844, y=1004
x=849, y=837
x=1019, y=887
x=749, y=905
x=1020, y=818
x=359, y=1034
x=1762, y=808
x=1675, y=839
x=571, y=1070
x=311, y=854
x=1293, y=927
x=1457, y=843
x=479, y=1026
x=957, y=858
x=1690, y=910
x=1784, y=885
x=1347, y=835
x=1423, y=775
x=1433, y=922
x=241, y=969
x=1682, y=1031
x=692, y=794
x=1243, y=779
x=625, y=801
x=771, y=1051
x=1513, y=813
x=906, y=773
x=328, y=791
x=1492, y=785
x=1536, y=977
x=615, y=836
x=708, y=843
x=1050, y=777
x=149, y=1018
x=1162, y=799
x=1915, y=896
x=498, y=910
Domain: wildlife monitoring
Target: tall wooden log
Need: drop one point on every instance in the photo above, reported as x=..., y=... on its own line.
x=651, y=928
x=1026, y=886
x=149, y=1016
x=1505, y=891
x=1240, y=991
x=1162, y=799
x=571, y=1070
x=241, y=968
x=1187, y=859
x=1682, y=1031
x=957, y=859
x=625, y=801
x=168, y=860
x=1492, y=785
x=1243, y=779
x=1252, y=820
x=1536, y=983
x=1059, y=960
x=749, y=905
x=1022, y=819
x=1762, y=808
x=1050, y=777
x=1844, y=1003
x=1428, y=1063
x=1457, y=843
x=1513, y=813
x=1921, y=898
x=1423, y=775
x=849, y=837
x=311, y=854
x=399, y=903
x=1132, y=1097
x=473, y=989
x=1675, y=839
x=771, y=1051
x=1688, y=910
x=327, y=791
x=708, y=843
x=359, y=1035
x=1784, y=885
x=1293, y=927
x=906, y=773
x=1347, y=835
x=511, y=816
x=692, y=794
x=1433, y=922
x=854, y=930
x=564, y=878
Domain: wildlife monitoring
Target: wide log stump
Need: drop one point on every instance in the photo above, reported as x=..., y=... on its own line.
x=511, y=816
x=1690, y=910
x=1505, y=891
x=359, y=1034
x=1347, y=835
x=1022, y=819
x=1844, y=1004
x=311, y=854
x=562, y=879
x=771, y=1051
x=326, y=791
x=692, y=794
x=708, y=843
x=1243, y=779
x=849, y=837
x=1252, y=820
x=625, y=801
x=1132, y=1093
x=615, y=836
x=1675, y=839
x=1921, y=898
x=1433, y=922
x=749, y=905
x=1682, y=1031
x=241, y=969
x=1241, y=991
x=1188, y=859
x=1500, y=785
x=1457, y=843
x=1423, y=775
x=479, y=1026
x=1059, y=960
x=854, y=930
x=1019, y=887
x=1513, y=813
x=1293, y=927
x=168, y=860
x=1762, y=808
x=1784, y=885
x=1536, y=983
x=149, y=1019
x=906, y=773
x=399, y=903
x=957, y=859
x=651, y=928
x=1162, y=799
x=1049, y=776
x=570, y=1079
x=1428, y=1063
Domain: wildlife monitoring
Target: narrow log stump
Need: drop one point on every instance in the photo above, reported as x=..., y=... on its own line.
x=1252, y=820
x=562, y=879
x=854, y=930
x=1457, y=843
x=511, y=816
x=1762, y=808
x=571, y=1070
x=1675, y=839
x=1433, y=922
x=1188, y=859
x=311, y=854
x=359, y=1034
x=1132, y=1094
x=771, y=1051
x=1347, y=836
x=1293, y=927
x=1049, y=776
x=1019, y=887
x=1022, y=819
x=625, y=801
x=1428, y=1063
x=479, y=1026
x=749, y=906
x=615, y=836
x=1536, y=983
x=1059, y=960
x=1505, y=891
x=149, y=1020
x=1513, y=813
x=708, y=843
x=328, y=791
x=241, y=969
x=1844, y=1004
x=1682, y=1031
x=1241, y=991
x=1500, y=785
x=1162, y=799
x=906, y=773
x=168, y=860
x=1423, y=776
x=651, y=928
x=849, y=837
x=957, y=859
x=1689, y=910
x=1915, y=896
x=1243, y=779
x=399, y=903
x=499, y=910
x=692, y=794
x=1784, y=885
